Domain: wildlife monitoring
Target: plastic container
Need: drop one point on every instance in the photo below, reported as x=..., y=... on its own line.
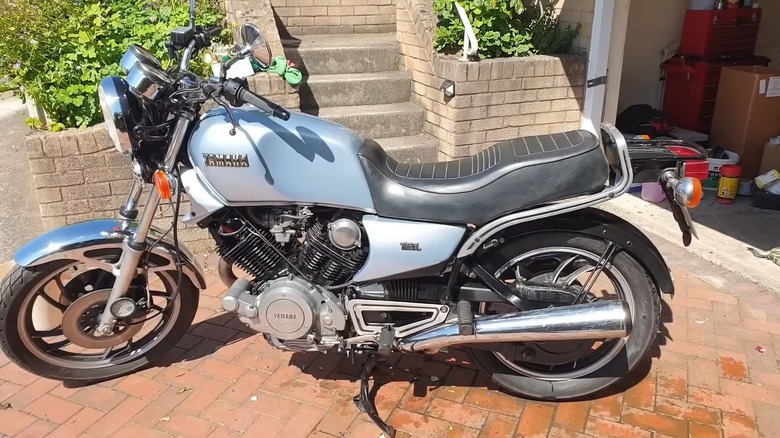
x=729, y=184
x=715, y=164
x=701, y=5
x=652, y=192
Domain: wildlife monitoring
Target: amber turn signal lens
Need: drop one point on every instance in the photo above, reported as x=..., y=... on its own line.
x=163, y=184
x=698, y=193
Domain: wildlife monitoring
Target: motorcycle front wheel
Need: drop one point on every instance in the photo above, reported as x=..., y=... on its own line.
x=566, y=370
x=48, y=316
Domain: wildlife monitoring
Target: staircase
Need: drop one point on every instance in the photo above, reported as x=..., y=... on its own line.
x=354, y=80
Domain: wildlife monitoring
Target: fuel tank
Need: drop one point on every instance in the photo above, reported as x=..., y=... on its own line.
x=304, y=160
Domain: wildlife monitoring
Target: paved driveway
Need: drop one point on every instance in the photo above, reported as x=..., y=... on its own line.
x=20, y=217
x=707, y=379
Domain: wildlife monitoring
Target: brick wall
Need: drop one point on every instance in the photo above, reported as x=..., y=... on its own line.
x=315, y=17
x=495, y=99
x=78, y=175
x=572, y=12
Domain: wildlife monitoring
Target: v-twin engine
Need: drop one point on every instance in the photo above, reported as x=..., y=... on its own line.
x=295, y=315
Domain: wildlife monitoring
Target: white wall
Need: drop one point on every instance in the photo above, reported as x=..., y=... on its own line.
x=652, y=26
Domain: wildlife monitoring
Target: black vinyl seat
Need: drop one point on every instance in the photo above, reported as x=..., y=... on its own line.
x=509, y=176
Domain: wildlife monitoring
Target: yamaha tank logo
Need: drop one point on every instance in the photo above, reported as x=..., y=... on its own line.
x=226, y=160
x=410, y=246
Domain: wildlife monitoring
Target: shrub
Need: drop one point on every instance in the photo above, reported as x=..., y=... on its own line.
x=504, y=27
x=58, y=50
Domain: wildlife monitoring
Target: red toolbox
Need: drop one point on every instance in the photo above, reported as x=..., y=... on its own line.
x=712, y=34
x=692, y=87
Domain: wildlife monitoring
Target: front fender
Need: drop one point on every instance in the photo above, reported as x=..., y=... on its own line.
x=86, y=241
x=599, y=223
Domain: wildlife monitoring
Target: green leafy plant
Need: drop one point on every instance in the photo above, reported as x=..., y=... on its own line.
x=58, y=50
x=33, y=123
x=503, y=28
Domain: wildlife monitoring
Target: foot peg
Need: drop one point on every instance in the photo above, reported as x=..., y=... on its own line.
x=465, y=318
x=386, y=338
x=365, y=401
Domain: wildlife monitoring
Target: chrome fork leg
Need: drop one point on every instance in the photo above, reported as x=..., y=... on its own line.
x=129, y=211
x=133, y=248
x=127, y=267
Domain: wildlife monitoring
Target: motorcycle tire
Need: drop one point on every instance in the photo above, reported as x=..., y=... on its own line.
x=646, y=309
x=21, y=282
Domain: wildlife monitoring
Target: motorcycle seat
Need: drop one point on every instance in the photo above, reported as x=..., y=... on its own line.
x=509, y=176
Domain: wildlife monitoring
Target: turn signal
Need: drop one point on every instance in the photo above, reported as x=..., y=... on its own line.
x=164, y=184
x=688, y=192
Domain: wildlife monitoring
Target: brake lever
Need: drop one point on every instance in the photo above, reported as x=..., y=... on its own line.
x=230, y=114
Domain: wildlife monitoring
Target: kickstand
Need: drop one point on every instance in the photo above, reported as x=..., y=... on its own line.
x=364, y=400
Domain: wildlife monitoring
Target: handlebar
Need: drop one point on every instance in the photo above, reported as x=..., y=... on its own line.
x=213, y=31
x=237, y=94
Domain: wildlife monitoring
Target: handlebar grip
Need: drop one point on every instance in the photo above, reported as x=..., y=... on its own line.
x=263, y=104
x=213, y=31
x=281, y=113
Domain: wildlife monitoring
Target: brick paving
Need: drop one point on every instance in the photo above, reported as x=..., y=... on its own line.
x=705, y=379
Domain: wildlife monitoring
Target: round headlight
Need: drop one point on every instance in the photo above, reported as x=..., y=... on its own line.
x=135, y=54
x=117, y=112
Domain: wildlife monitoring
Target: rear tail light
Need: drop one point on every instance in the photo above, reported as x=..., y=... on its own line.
x=699, y=169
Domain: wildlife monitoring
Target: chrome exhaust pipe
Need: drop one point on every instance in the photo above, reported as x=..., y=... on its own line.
x=599, y=320
x=225, y=271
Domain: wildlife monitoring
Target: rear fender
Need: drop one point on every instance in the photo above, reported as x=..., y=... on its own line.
x=599, y=223
x=88, y=241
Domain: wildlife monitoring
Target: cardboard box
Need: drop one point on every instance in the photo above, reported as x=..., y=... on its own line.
x=770, y=159
x=747, y=113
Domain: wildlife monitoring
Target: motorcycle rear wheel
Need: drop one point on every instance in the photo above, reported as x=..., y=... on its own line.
x=70, y=351
x=618, y=357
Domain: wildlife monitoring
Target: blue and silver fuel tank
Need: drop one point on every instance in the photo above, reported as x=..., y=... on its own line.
x=304, y=160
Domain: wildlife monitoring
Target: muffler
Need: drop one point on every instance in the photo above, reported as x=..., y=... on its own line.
x=599, y=320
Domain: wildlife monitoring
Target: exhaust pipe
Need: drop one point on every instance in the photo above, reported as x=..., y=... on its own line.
x=226, y=274
x=599, y=320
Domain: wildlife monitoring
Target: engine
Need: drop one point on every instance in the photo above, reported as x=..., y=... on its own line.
x=332, y=256
x=292, y=257
x=294, y=314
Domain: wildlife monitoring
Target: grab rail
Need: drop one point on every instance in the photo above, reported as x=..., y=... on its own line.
x=624, y=177
x=470, y=45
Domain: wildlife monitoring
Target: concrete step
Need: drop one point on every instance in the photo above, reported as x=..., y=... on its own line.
x=329, y=54
x=412, y=149
x=378, y=121
x=320, y=91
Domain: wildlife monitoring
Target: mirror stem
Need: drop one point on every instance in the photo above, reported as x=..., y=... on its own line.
x=192, y=14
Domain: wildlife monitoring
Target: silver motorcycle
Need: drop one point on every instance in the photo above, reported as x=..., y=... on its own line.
x=328, y=244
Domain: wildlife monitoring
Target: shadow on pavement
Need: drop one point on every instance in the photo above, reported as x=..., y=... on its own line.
x=425, y=372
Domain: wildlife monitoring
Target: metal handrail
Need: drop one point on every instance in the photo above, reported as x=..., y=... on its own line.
x=470, y=44
x=624, y=177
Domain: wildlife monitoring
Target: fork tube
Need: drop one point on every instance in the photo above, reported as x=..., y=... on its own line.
x=132, y=249
x=129, y=211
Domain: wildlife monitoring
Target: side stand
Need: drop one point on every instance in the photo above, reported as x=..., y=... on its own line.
x=364, y=400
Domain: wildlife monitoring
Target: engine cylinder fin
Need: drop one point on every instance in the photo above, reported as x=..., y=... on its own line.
x=249, y=252
x=325, y=263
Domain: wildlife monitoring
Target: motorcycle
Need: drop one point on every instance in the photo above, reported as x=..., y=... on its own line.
x=342, y=249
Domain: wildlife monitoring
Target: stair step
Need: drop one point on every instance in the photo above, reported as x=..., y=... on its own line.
x=320, y=91
x=329, y=54
x=412, y=149
x=378, y=121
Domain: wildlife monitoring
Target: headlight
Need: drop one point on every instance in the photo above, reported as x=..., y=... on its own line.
x=117, y=111
x=135, y=54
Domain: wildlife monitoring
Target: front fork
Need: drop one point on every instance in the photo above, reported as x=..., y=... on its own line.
x=135, y=246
